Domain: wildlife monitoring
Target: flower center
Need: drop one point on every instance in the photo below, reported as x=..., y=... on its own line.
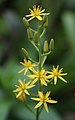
x=28, y=65
x=42, y=77
x=23, y=87
x=36, y=13
x=56, y=73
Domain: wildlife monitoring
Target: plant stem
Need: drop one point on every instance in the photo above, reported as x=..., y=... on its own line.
x=29, y=108
x=44, y=30
x=34, y=45
x=37, y=114
x=39, y=66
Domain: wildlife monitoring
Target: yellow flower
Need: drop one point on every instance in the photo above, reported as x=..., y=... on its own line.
x=43, y=99
x=22, y=97
x=22, y=90
x=36, y=13
x=39, y=75
x=57, y=74
x=28, y=66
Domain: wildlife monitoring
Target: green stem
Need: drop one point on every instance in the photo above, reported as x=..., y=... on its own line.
x=34, y=46
x=45, y=54
x=43, y=61
x=33, y=30
x=29, y=108
x=32, y=94
x=42, y=34
x=39, y=66
x=37, y=114
x=40, y=109
x=32, y=60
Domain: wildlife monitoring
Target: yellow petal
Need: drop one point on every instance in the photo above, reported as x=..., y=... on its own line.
x=31, y=18
x=28, y=83
x=34, y=64
x=42, y=10
x=21, y=82
x=22, y=63
x=46, y=107
x=19, y=94
x=63, y=74
x=43, y=83
x=31, y=10
x=30, y=86
x=49, y=72
x=22, y=97
x=21, y=70
x=36, y=99
x=26, y=71
x=28, y=15
x=47, y=94
x=42, y=71
x=55, y=80
x=40, y=94
x=34, y=81
x=38, y=105
x=26, y=92
x=52, y=101
x=62, y=79
x=17, y=90
x=31, y=76
x=39, y=17
x=45, y=14
x=50, y=76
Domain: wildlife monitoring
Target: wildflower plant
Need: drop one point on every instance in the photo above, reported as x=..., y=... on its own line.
x=35, y=70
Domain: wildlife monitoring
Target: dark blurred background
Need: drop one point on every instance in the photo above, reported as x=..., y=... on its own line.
x=13, y=37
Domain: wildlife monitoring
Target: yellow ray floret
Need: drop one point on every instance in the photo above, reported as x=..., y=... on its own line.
x=37, y=12
x=28, y=65
x=39, y=75
x=43, y=99
x=22, y=90
x=55, y=73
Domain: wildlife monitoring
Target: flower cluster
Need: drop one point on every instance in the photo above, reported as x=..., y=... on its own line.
x=34, y=70
x=38, y=75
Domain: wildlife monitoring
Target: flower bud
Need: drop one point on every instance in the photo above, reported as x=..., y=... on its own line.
x=44, y=18
x=51, y=46
x=45, y=47
x=26, y=23
x=36, y=37
x=45, y=21
x=29, y=33
x=25, y=52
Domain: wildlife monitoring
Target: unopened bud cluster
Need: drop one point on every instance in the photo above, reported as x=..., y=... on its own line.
x=45, y=21
x=46, y=47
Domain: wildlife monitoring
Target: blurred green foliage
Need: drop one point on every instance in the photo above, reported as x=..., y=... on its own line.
x=13, y=37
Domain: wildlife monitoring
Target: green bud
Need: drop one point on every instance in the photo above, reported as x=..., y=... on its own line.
x=44, y=18
x=45, y=47
x=29, y=33
x=25, y=52
x=26, y=23
x=36, y=37
x=51, y=46
x=45, y=24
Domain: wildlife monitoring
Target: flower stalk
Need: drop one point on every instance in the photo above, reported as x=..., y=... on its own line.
x=29, y=108
x=34, y=70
